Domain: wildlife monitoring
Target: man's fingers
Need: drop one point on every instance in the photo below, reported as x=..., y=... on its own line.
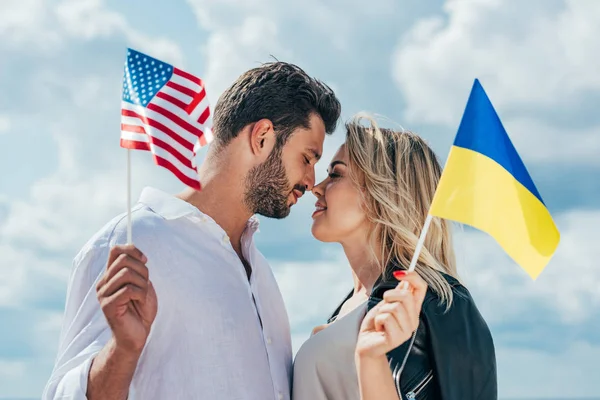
x=123, y=277
x=128, y=249
x=123, y=296
x=123, y=261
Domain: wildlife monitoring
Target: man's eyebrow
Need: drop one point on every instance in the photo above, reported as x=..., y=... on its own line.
x=315, y=153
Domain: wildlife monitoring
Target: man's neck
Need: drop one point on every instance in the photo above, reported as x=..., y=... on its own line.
x=221, y=198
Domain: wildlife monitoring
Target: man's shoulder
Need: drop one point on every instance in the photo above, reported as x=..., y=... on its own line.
x=143, y=221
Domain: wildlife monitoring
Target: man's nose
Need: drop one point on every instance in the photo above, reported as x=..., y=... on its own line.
x=309, y=179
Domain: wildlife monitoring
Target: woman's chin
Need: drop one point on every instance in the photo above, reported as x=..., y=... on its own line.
x=320, y=233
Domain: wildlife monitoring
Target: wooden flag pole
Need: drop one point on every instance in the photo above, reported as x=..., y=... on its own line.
x=129, y=239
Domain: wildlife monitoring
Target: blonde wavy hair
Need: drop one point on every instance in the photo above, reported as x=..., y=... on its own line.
x=398, y=174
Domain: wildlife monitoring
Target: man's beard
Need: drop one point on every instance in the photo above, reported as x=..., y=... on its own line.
x=268, y=188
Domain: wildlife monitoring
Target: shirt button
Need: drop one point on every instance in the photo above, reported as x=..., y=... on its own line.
x=269, y=341
x=225, y=239
x=280, y=396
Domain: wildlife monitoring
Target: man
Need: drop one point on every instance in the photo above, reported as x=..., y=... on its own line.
x=193, y=310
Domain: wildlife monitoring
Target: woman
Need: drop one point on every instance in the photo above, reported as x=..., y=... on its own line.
x=420, y=338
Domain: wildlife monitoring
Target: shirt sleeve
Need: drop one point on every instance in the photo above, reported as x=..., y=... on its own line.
x=84, y=330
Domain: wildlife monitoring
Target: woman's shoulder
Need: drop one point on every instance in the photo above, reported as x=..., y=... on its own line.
x=460, y=311
x=460, y=301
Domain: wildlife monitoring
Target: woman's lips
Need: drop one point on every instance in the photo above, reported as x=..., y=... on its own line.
x=319, y=209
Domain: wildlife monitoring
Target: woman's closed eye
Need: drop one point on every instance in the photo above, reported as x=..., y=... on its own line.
x=334, y=175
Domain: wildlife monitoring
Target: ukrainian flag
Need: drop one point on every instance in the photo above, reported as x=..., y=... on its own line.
x=486, y=185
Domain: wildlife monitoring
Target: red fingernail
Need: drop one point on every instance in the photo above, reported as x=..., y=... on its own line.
x=399, y=274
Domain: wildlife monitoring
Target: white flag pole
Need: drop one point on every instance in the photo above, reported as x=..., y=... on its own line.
x=413, y=262
x=129, y=240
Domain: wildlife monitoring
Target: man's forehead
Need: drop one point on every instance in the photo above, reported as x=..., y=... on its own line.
x=310, y=139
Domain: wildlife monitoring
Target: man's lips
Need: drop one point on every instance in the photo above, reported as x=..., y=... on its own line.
x=297, y=194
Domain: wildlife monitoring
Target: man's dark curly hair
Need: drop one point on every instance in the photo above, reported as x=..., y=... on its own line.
x=278, y=91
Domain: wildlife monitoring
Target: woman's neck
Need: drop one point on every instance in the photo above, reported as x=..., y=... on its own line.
x=364, y=262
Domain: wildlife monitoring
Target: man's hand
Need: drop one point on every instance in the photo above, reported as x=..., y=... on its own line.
x=127, y=298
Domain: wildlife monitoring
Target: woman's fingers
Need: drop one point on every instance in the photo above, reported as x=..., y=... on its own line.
x=416, y=284
x=403, y=308
x=388, y=323
x=406, y=297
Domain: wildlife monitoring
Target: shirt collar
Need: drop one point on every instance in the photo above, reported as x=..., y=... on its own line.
x=253, y=223
x=166, y=205
x=171, y=207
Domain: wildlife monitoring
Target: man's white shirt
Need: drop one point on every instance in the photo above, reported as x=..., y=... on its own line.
x=217, y=335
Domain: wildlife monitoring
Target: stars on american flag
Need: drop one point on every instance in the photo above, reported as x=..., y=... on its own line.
x=144, y=77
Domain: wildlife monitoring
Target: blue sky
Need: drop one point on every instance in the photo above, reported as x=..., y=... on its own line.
x=410, y=61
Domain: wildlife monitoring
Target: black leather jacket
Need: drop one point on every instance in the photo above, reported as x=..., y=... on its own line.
x=451, y=356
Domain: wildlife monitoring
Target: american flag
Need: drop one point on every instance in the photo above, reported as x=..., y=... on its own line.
x=164, y=110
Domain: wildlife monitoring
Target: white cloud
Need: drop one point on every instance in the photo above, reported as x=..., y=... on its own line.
x=242, y=35
x=11, y=368
x=246, y=33
x=546, y=56
x=26, y=376
x=5, y=124
x=21, y=269
x=231, y=51
x=538, y=141
x=90, y=19
x=536, y=374
x=26, y=22
x=47, y=25
x=547, y=60
x=214, y=14
x=311, y=290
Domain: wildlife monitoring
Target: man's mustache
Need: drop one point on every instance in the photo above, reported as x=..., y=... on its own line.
x=300, y=188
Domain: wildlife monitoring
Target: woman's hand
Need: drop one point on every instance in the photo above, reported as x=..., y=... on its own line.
x=393, y=321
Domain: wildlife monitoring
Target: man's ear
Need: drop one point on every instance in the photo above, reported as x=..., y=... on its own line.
x=262, y=138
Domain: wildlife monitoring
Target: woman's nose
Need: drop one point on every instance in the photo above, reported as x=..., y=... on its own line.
x=319, y=189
